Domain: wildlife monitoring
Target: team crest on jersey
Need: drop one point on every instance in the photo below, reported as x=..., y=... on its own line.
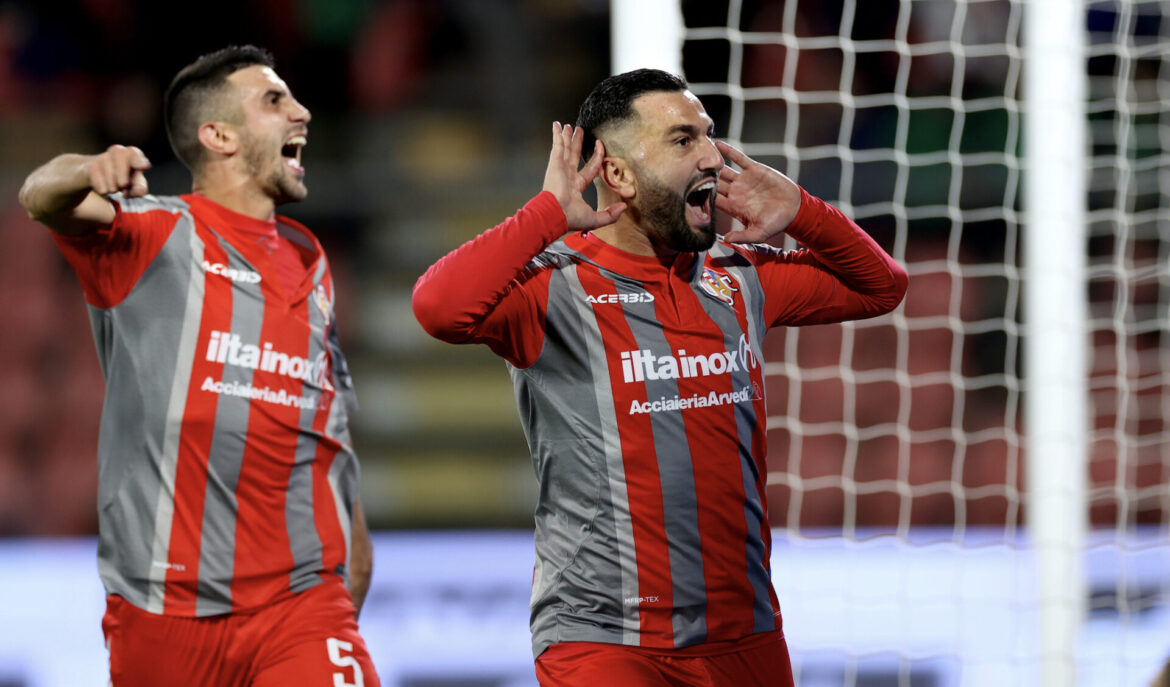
x=322, y=300
x=717, y=285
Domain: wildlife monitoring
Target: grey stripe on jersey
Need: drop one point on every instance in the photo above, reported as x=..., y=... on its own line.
x=344, y=475
x=301, y=527
x=343, y=484
x=225, y=457
x=745, y=418
x=614, y=462
x=134, y=540
x=337, y=424
x=304, y=544
x=582, y=514
x=345, y=472
x=677, y=475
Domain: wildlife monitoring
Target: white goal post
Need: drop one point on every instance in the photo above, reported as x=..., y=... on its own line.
x=1013, y=155
x=1055, y=293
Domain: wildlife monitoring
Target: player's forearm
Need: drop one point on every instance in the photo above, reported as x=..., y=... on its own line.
x=454, y=296
x=851, y=254
x=56, y=189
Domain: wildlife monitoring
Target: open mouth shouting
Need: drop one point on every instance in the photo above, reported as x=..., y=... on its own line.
x=701, y=202
x=291, y=152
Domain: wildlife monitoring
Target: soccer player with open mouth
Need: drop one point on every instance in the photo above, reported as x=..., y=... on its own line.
x=632, y=334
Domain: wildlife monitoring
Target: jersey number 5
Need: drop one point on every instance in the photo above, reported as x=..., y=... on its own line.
x=336, y=646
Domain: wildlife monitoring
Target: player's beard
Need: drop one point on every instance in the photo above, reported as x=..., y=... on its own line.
x=275, y=178
x=664, y=211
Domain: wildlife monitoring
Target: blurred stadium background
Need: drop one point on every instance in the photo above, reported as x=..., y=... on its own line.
x=429, y=125
x=898, y=450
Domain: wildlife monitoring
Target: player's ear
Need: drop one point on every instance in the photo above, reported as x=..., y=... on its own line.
x=218, y=137
x=617, y=175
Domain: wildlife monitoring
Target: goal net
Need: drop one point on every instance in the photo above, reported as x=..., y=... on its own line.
x=912, y=545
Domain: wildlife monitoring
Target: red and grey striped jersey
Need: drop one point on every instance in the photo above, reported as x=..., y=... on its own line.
x=640, y=388
x=226, y=474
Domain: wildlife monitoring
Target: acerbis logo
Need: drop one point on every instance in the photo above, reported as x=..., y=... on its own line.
x=607, y=298
x=242, y=276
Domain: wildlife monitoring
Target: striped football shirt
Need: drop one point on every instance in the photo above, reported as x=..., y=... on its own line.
x=640, y=388
x=227, y=479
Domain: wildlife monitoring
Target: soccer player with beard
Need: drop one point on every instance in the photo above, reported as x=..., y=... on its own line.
x=232, y=544
x=632, y=335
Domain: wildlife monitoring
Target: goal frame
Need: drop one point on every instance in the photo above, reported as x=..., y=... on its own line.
x=1055, y=270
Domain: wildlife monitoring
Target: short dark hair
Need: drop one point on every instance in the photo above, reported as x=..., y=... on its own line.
x=191, y=97
x=611, y=101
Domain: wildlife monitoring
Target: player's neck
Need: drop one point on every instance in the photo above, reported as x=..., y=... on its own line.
x=236, y=194
x=632, y=238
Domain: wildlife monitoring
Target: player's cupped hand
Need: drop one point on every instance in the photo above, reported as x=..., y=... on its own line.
x=762, y=199
x=567, y=183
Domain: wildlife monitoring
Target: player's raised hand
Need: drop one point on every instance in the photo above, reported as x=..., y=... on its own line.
x=67, y=193
x=762, y=199
x=120, y=168
x=567, y=184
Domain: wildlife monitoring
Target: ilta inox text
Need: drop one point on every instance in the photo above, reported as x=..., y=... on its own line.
x=642, y=365
x=227, y=348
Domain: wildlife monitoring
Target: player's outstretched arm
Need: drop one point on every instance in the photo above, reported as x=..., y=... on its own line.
x=762, y=199
x=566, y=183
x=66, y=193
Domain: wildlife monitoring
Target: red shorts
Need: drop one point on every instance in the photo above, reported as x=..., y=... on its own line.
x=308, y=639
x=760, y=660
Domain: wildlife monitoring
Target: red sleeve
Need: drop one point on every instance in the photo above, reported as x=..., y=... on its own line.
x=842, y=275
x=110, y=260
x=486, y=291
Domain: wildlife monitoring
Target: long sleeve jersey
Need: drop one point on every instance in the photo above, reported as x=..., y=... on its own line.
x=640, y=388
x=226, y=475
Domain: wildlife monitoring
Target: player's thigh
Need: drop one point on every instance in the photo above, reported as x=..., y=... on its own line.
x=589, y=664
x=147, y=649
x=312, y=640
x=766, y=665
x=326, y=661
